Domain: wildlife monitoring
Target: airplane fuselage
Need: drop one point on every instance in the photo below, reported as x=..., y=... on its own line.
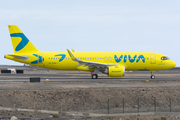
x=131, y=60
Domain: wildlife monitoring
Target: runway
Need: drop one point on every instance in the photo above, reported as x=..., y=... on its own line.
x=78, y=76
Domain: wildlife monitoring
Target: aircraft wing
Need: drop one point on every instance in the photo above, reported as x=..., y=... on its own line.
x=19, y=57
x=90, y=64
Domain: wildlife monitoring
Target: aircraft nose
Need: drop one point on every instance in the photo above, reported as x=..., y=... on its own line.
x=173, y=64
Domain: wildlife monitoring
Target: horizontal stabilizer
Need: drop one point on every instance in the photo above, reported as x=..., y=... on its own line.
x=20, y=57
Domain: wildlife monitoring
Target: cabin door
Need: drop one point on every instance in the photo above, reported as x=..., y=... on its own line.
x=153, y=59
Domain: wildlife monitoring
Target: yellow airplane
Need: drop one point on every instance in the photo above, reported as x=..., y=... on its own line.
x=114, y=64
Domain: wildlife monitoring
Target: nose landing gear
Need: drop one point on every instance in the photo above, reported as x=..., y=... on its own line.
x=152, y=76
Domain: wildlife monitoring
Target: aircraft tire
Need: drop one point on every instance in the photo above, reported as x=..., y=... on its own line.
x=152, y=77
x=94, y=76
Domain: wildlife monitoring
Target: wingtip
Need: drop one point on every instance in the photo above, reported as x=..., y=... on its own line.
x=72, y=50
x=67, y=49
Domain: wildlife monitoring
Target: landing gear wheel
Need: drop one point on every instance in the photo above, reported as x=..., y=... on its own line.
x=152, y=77
x=94, y=76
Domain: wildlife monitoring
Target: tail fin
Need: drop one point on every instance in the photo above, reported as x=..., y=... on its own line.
x=20, y=42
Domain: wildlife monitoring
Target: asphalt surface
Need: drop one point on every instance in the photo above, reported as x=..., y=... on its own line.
x=76, y=76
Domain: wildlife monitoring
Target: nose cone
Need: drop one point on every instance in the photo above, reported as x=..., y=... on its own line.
x=173, y=64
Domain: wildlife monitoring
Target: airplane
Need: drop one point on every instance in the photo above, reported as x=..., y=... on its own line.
x=113, y=64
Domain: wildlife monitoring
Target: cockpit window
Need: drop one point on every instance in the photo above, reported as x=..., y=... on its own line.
x=165, y=58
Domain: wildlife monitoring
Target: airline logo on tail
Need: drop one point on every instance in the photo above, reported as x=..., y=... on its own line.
x=23, y=42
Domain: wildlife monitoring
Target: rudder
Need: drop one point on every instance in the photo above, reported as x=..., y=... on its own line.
x=20, y=42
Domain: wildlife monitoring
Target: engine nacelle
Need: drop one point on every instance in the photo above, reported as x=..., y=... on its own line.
x=115, y=71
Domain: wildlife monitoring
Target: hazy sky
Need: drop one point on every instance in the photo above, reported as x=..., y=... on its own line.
x=94, y=25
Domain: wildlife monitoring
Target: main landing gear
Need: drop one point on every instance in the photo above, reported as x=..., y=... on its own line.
x=94, y=74
x=152, y=76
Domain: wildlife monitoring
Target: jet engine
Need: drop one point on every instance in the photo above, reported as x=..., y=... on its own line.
x=115, y=71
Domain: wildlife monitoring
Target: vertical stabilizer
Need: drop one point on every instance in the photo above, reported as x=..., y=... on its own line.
x=20, y=42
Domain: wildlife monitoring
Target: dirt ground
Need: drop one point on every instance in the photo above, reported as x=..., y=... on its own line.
x=87, y=85
x=92, y=97
x=36, y=116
